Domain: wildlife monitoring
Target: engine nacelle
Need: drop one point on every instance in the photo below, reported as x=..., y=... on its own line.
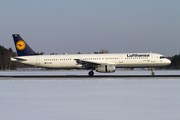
x=106, y=68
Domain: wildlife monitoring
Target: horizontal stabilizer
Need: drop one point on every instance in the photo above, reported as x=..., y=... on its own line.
x=19, y=59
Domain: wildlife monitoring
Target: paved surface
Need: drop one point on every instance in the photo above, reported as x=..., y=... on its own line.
x=81, y=76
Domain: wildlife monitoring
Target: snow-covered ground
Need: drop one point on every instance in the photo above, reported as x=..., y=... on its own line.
x=89, y=98
x=85, y=72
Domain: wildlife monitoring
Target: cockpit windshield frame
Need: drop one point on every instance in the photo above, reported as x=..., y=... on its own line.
x=162, y=57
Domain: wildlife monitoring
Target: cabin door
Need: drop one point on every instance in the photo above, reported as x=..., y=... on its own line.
x=120, y=59
x=153, y=58
x=37, y=61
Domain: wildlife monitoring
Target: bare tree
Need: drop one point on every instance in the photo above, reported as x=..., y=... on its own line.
x=5, y=59
x=103, y=51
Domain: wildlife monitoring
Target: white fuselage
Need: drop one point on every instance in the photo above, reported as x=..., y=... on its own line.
x=118, y=60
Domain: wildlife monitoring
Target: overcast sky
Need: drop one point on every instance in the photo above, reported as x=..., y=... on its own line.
x=86, y=26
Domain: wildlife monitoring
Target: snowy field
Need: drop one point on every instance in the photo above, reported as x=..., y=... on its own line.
x=85, y=72
x=90, y=98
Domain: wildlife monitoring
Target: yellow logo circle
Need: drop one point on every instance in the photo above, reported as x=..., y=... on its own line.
x=20, y=45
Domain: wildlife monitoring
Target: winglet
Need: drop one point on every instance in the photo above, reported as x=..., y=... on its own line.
x=22, y=47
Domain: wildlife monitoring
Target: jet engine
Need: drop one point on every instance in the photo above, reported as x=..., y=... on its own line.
x=106, y=68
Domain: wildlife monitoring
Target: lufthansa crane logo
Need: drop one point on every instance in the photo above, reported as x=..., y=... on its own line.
x=20, y=45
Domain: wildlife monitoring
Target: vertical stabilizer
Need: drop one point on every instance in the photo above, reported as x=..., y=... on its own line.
x=22, y=47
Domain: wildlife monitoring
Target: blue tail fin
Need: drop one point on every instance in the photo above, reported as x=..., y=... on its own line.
x=22, y=47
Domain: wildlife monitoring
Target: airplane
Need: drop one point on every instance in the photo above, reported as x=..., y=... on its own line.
x=104, y=63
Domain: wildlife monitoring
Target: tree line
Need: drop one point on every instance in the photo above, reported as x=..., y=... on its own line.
x=175, y=62
x=5, y=59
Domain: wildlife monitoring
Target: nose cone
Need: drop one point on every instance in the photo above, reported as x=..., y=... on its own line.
x=168, y=61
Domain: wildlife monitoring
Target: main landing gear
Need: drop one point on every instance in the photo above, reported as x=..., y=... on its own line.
x=91, y=73
x=152, y=73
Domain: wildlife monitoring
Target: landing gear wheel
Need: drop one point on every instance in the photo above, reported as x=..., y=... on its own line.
x=91, y=73
x=152, y=73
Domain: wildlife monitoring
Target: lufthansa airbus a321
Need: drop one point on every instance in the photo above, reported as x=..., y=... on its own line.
x=105, y=63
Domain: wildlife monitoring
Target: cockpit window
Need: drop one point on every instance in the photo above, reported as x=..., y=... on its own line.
x=162, y=57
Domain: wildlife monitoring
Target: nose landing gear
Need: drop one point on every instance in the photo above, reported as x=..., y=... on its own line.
x=152, y=72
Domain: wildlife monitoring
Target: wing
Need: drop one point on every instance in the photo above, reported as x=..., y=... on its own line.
x=87, y=64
